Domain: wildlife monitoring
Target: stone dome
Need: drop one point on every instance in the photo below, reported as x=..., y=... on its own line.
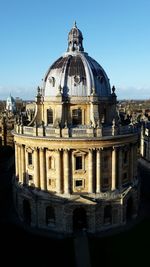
x=76, y=73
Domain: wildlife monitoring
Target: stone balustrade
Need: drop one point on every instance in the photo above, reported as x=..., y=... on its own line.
x=83, y=131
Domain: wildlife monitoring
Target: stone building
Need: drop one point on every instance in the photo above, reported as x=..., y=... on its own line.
x=76, y=165
x=6, y=126
x=144, y=160
x=145, y=141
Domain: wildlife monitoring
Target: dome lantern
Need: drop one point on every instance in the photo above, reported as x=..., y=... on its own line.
x=75, y=39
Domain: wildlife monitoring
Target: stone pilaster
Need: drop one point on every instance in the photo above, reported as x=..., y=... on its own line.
x=36, y=168
x=19, y=163
x=98, y=170
x=66, y=171
x=23, y=174
x=42, y=169
x=142, y=141
x=90, y=165
x=92, y=114
x=113, y=180
x=120, y=169
x=16, y=159
x=58, y=172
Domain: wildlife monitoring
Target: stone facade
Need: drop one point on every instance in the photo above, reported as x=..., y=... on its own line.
x=145, y=141
x=76, y=165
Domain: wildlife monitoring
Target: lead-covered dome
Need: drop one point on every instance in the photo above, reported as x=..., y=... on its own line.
x=76, y=73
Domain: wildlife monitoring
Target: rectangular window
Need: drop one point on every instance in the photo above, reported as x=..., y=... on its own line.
x=77, y=116
x=51, y=163
x=78, y=164
x=79, y=183
x=49, y=116
x=30, y=177
x=29, y=158
x=50, y=182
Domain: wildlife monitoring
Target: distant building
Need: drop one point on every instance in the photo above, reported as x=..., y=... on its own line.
x=10, y=104
x=30, y=110
x=76, y=163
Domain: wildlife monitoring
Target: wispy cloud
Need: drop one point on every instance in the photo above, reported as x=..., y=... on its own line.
x=132, y=92
x=122, y=92
x=25, y=93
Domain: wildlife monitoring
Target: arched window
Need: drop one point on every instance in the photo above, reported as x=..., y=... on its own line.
x=77, y=116
x=50, y=116
x=50, y=216
x=52, y=81
x=107, y=214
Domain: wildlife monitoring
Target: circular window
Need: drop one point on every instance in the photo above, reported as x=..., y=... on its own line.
x=77, y=79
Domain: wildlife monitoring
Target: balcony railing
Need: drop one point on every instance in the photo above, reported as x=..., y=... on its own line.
x=78, y=132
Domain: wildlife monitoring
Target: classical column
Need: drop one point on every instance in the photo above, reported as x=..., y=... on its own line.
x=98, y=170
x=16, y=159
x=58, y=171
x=92, y=113
x=131, y=162
x=142, y=141
x=66, y=172
x=19, y=163
x=36, y=168
x=113, y=179
x=23, y=163
x=120, y=169
x=83, y=116
x=42, y=169
x=90, y=164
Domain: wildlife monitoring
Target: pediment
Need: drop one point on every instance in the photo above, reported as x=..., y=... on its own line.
x=84, y=200
x=79, y=152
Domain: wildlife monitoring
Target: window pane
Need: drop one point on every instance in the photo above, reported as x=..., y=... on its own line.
x=79, y=163
x=78, y=183
x=30, y=177
x=77, y=116
x=49, y=116
x=30, y=158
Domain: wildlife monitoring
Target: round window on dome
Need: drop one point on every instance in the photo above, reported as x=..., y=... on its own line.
x=77, y=79
x=52, y=81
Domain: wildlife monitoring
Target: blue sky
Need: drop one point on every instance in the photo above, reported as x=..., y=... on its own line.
x=33, y=33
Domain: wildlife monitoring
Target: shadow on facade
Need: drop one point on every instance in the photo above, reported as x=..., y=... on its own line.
x=26, y=212
x=46, y=210
x=79, y=219
x=129, y=209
